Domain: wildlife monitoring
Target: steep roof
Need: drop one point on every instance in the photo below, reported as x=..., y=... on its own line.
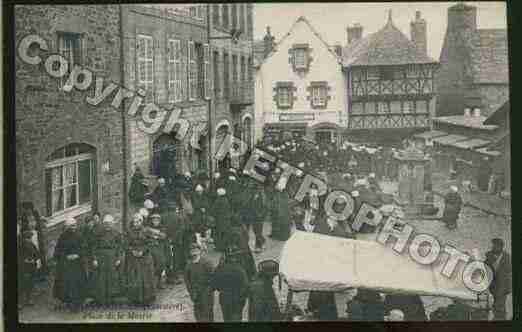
x=476, y=122
x=302, y=19
x=489, y=56
x=388, y=46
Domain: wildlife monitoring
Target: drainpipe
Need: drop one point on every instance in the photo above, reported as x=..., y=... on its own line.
x=124, y=128
x=209, y=108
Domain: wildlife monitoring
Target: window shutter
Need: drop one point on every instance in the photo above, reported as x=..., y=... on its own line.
x=206, y=70
x=184, y=71
x=189, y=65
x=48, y=191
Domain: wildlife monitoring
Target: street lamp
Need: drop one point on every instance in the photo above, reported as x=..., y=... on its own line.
x=234, y=36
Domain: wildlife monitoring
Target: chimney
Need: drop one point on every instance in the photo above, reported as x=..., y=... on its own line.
x=467, y=111
x=462, y=17
x=419, y=34
x=476, y=112
x=354, y=33
x=268, y=42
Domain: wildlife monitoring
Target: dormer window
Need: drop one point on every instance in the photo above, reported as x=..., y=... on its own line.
x=300, y=57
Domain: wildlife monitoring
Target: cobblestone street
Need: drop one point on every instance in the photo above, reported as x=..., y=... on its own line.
x=475, y=230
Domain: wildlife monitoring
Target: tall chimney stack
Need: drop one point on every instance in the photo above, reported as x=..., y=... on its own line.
x=354, y=33
x=419, y=33
x=462, y=17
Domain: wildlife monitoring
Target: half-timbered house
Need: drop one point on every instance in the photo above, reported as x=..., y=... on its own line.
x=390, y=86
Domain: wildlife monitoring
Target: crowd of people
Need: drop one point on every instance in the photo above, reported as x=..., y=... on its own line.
x=173, y=227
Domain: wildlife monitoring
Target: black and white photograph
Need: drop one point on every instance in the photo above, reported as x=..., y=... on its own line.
x=274, y=162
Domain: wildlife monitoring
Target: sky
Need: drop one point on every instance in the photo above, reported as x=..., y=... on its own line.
x=331, y=19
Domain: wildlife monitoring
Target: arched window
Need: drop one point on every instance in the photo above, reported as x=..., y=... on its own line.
x=165, y=149
x=70, y=175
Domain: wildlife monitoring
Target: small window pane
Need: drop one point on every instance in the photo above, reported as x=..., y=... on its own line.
x=71, y=150
x=57, y=200
x=70, y=196
x=56, y=176
x=70, y=173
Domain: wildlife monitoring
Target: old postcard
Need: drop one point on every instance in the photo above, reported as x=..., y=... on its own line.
x=232, y=162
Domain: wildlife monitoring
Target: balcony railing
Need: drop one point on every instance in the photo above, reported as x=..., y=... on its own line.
x=242, y=93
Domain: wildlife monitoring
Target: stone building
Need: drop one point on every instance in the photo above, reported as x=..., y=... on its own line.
x=69, y=154
x=166, y=54
x=390, y=85
x=300, y=86
x=233, y=76
x=169, y=55
x=473, y=62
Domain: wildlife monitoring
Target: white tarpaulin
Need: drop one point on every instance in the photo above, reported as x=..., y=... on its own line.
x=311, y=261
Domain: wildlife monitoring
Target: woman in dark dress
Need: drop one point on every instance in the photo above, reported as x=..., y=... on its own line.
x=159, y=247
x=281, y=222
x=139, y=265
x=107, y=261
x=452, y=207
x=70, y=280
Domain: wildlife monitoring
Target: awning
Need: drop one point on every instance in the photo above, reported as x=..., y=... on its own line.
x=311, y=261
x=430, y=134
x=471, y=144
x=198, y=130
x=447, y=140
x=487, y=152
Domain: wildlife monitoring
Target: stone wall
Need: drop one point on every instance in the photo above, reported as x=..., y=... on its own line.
x=47, y=118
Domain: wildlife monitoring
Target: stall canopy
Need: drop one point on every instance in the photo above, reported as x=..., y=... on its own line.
x=471, y=144
x=449, y=139
x=311, y=261
x=430, y=134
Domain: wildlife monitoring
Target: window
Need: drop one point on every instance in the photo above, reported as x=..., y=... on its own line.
x=373, y=73
x=70, y=47
x=411, y=71
x=145, y=64
x=193, y=11
x=250, y=69
x=387, y=74
x=70, y=178
x=217, y=85
x=319, y=95
x=226, y=76
x=192, y=70
x=174, y=70
x=243, y=69
x=242, y=17
x=249, y=20
x=215, y=15
x=224, y=15
x=200, y=65
x=300, y=58
x=235, y=77
x=234, y=16
x=206, y=71
x=200, y=12
x=284, y=96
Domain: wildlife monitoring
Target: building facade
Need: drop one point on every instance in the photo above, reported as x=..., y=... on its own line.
x=183, y=65
x=473, y=62
x=300, y=87
x=390, y=82
x=69, y=154
x=233, y=76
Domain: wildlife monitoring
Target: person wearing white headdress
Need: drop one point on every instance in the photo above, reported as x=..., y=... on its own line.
x=139, y=263
x=107, y=254
x=70, y=278
x=452, y=207
x=148, y=204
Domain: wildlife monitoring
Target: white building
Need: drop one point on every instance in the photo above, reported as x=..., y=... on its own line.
x=300, y=86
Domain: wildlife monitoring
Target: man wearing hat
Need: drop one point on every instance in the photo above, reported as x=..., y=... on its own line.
x=253, y=212
x=70, y=280
x=160, y=196
x=231, y=281
x=107, y=256
x=198, y=277
x=262, y=301
x=29, y=264
x=200, y=206
x=500, y=263
x=138, y=187
x=452, y=207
